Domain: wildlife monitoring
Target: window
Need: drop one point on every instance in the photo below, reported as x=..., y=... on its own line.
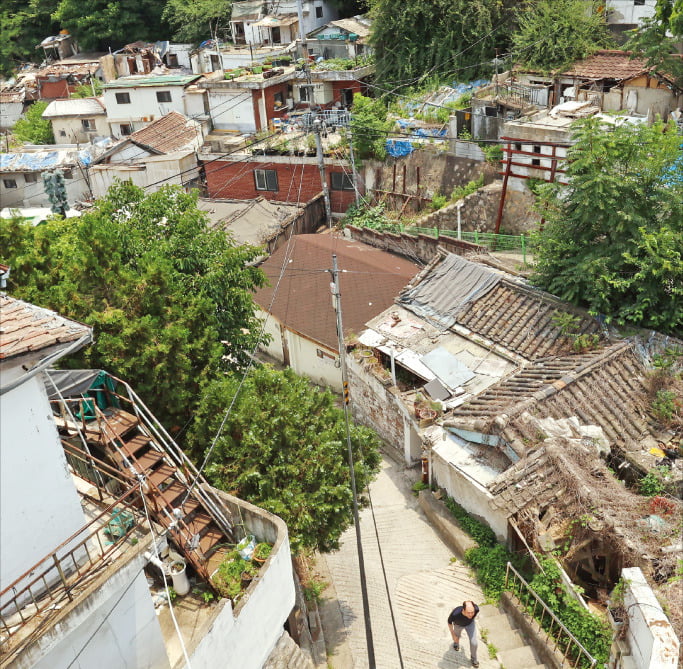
x=341, y=181
x=279, y=100
x=318, y=12
x=125, y=129
x=172, y=60
x=536, y=161
x=88, y=123
x=122, y=98
x=266, y=179
x=62, y=133
x=9, y=183
x=638, y=2
x=68, y=174
x=30, y=178
x=163, y=96
x=276, y=36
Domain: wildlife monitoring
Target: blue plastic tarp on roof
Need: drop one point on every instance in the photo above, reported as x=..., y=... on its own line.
x=399, y=147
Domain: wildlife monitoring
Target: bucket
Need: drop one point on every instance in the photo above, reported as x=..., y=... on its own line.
x=181, y=584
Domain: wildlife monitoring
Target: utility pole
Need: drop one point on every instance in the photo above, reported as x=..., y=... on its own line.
x=356, y=193
x=336, y=301
x=304, y=50
x=317, y=129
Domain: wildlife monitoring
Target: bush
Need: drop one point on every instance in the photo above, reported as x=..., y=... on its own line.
x=490, y=564
x=438, y=201
x=32, y=127
x=480, y=532
x=459, y=192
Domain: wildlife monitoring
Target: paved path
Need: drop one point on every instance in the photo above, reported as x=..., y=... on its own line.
x=423, y=583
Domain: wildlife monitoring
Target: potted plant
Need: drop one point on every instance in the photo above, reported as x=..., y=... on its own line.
x=261, y=552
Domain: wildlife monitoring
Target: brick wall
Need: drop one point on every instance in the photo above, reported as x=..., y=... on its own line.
x=270, y=93
x=227, y=179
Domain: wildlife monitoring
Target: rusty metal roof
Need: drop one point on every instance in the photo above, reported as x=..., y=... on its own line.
x=369, y=281
x=168, y=133
x=26, y=328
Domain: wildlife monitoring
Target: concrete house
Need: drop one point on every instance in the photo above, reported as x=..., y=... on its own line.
x=163, y=152
x=134, y=102
x=21, y=183
x=301, y=319
x=264, y=22
x=88, y=553
x=343, y=38
x=77, y=121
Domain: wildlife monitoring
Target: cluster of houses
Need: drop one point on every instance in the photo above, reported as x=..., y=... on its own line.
x=454, y=359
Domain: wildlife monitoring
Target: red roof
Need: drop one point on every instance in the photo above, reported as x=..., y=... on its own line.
x=608, y=64
x=26, y=328
x=171, y=132
x=369, y=281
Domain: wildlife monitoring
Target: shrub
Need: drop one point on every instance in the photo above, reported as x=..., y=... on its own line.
x=438, y=201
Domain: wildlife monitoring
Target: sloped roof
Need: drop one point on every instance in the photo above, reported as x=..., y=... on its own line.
x=608, y=64
x=168, y=133
x=249, y=10
x=75, y=107
x=355, y=24
x=26, y=328
x=37, y=161
x=136, y=80
x=369, y=281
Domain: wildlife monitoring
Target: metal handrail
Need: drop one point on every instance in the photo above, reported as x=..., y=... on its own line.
x=50, y=580
x=517, y=578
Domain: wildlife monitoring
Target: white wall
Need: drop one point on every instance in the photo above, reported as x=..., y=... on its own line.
x=32, y=194
x=73, y=129
x=10, y=113
x=650, y=636
x=182, y=54
x=232, y=109
x=143, y=105
x=127, y=632
x=38, y=501
x=625, y=11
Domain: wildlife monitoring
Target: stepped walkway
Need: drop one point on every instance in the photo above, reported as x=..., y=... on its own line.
x=424, y=586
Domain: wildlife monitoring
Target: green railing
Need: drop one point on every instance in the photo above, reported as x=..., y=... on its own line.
x=515, y=243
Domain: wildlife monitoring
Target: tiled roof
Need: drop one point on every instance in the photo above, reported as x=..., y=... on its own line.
x=608, y=64
x=168, y=133
x=26, y=328
x=369, y=281
x=75, y=107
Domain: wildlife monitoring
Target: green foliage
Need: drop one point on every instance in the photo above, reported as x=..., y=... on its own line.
x=231, y=575
x=53, y=182
x=612, y=237
x=459, y=192
x=335, y=64
x=664, y=405
x=480, y=532
x=655, y=482
x=493, y=152
x=104, y=24
x=369, y=126
x=32, y=127
x=262, y=551
x=439, y=201
x=588, y=628
x=551, y=34
x=363, y=216
x=656, y=39
x=313, y=590
x=88, y=90
x=283, y=447
x=439, y=38
x=198, y=20
x=160, y=288
x=419, y=485
x=490, y=565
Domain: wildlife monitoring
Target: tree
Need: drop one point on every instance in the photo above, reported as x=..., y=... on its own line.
x=443, y=39
x=369, y=127
x=657, y=37
x=552, y=34
x=283, y=447
x=613, y=236
x=101, y=24
x=32, y=127
x=170, y=299
x=198, y=20
x=89, y=90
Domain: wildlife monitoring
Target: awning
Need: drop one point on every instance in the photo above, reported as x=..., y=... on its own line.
x=276, y=21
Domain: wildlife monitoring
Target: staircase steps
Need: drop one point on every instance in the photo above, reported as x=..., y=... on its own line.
x=118, y=423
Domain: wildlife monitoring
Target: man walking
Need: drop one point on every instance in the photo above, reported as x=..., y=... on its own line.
x=462, y=618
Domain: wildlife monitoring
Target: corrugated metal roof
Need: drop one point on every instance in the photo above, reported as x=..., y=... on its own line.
x=161, y=80
x=75, y=107
x=248, y=10
x=26, y=328
x=353, y=25
x=37, y=161
x=369, y=280
x=168, y=133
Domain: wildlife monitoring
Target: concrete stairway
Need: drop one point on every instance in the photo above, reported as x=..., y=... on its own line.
x=287, y=655
x=513, y=651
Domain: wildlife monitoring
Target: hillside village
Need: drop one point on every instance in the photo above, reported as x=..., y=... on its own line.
x=298, y=351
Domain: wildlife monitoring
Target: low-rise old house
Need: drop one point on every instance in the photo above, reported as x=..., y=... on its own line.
x=11, y=107
x=297, y=304
x=21, y=183
x=276, y=22
x=99, y=521
x=343, y=38
x=163, y=152
x=134, y=102
x=77, y=121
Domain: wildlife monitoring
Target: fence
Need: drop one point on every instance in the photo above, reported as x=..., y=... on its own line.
x=515, y=243
x=571, y=648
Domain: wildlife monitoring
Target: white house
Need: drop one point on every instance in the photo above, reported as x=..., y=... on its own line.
x=300, y=318
x=21, y=182
x=275, y=21
x=87, y=553
x=77, y=121
x=134, y=102
x=163, y=152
